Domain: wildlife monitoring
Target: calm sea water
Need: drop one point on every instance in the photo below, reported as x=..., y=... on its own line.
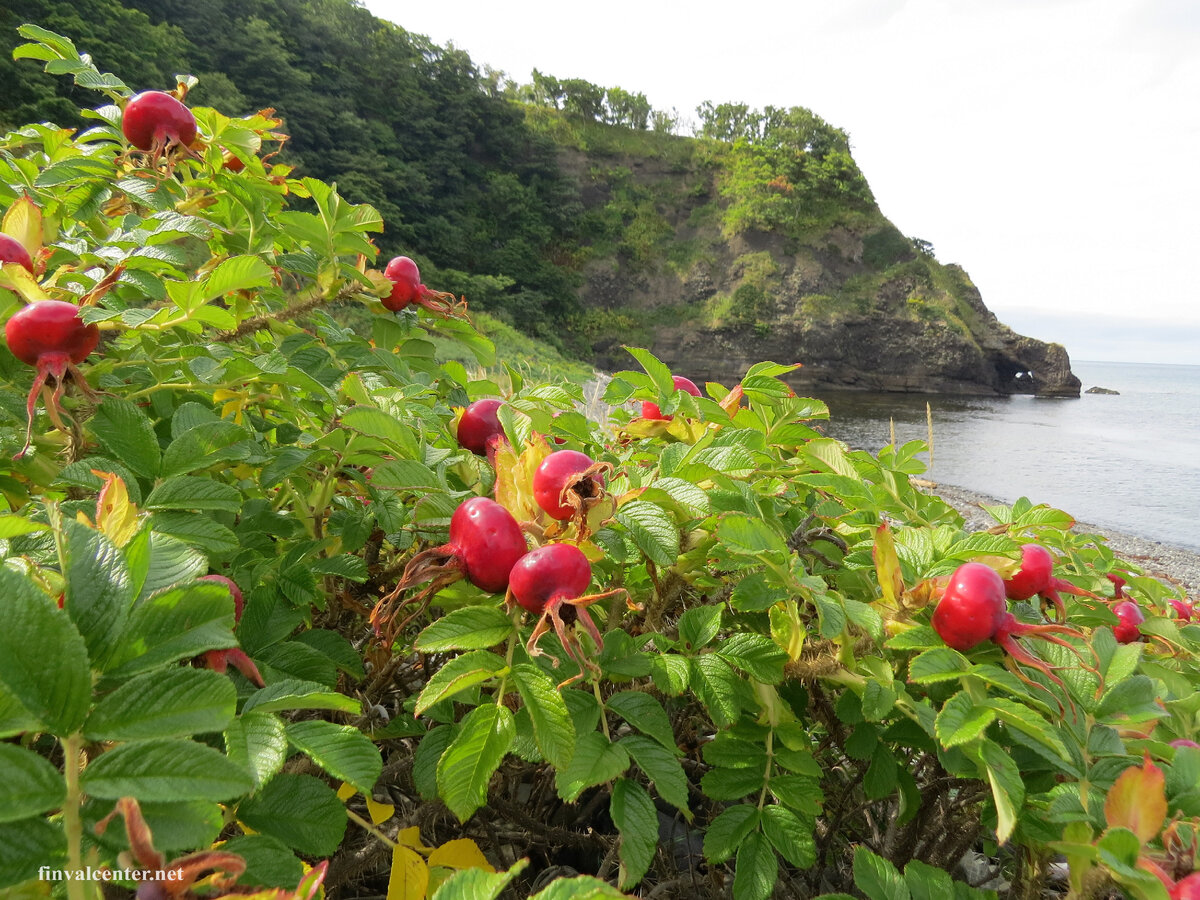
x=1129, y=462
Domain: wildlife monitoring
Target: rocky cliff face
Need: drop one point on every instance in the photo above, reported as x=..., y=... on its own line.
x=861, y=306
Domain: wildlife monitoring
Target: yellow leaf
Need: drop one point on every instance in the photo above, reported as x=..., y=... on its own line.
x=16, y=278
x=411, y=837
x=23, y=221
x=887, y=566
x=514, y=478
x=463, y=853
x=379, y=812
x=116, y=515
x=346, y=791
x=409, y=877
x=1138, y=801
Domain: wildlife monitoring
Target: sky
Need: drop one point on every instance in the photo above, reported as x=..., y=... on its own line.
x=1049, y=147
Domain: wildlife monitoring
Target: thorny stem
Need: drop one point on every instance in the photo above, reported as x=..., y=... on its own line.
x=72, y=823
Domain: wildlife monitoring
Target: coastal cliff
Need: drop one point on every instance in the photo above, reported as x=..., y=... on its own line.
x=829, y=282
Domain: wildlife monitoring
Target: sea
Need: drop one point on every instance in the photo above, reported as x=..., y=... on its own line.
x=1127, y=462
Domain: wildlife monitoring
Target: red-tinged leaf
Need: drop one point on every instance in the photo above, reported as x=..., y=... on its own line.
x=1138, y=801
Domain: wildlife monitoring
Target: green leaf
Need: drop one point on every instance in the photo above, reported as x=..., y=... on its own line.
x=257, y=741
x=1021, y=717
x=961, y=721
x=798, y=792
x=876, y=877
x=655, y=368
x=336, y=648
x=757, y=869
x=14, y=526
x=127, y=434
x=652, y=530
x=596, y=761
x=165, y=770
x=298, y=810
x=196, y=493
x=175, y=703
x=405, y=475
x=938, y=664
x=202, y=446
x=484, y=738
x=918, y=637
x=99, y=591
x=197, y=529
x=728, y=830
x=425, y=760
x=791, y=838
x=457, y=675
x=1008, y=787
x=670, y=673
x=637, y=822
x=30, y=785
x=29, y=845
x=646, y=714
x=269, y=862
x=719, y=688
x=755, y=654
x=699, y=625
x=341, y=750
x=43, y=659
x=177, y=624
x=478, y=884
x=750, y=537
x=731, y=784
x=237, y=273
x=925, y=882
x=581, y=887
x=553, y=729
x=881, y=778
x=468, y=628
x=293, y=693
x=662, y=768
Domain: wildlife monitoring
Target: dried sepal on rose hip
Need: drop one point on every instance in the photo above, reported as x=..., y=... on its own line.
x=485, y=543
x=551, y=582
x=51, y=336
x=568, y=484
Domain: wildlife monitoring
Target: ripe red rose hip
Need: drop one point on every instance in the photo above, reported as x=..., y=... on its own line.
x=479, y=425
x=154, y=119
x=553, y=573
x=1035, y=576
x=50, y=328
x=1131, y=616
x=13, y=251
x=406, y=283
x=652, y=410
x=971, y=607
x=487, y=539
x=564, y=482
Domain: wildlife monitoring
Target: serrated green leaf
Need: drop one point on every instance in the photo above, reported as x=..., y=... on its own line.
x=175, y=703
x=750, y=537
x=99, y=591
x=457, y=675
x=553, y=729
x=596, y=761
x=757, y=869
x=699, y=625
x=646, y=714
x=54, y=688
x=926, y=882
x=877, y=878
x=194, y=492
x=477, y=884
x=634, y=815
x=126, y=433
x=938, y=664
x=662, y=767
x=30, y=785
x=165, y=770
x=727, y=831
x=341, y=750
x=293, y=693
x=791, y=838
x=961, y=721
x=1008, y=788
x=484, y=738
x=755, y=654
x=28, y=846
x=257, y=741
x=299, y=810
x=1021, y=717
x=237, y=273
x=468, y=628
x=719, y=688
x=652, y=530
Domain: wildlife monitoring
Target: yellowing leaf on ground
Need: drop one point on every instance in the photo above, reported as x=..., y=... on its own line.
x=346, y=791
x=411, y=837
x=463, y=853
x=379, y=812
x=409, y=876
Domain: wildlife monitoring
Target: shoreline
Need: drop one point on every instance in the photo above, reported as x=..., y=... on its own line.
x=1173, y=565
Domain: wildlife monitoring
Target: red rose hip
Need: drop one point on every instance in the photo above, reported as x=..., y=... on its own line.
x=154, y=119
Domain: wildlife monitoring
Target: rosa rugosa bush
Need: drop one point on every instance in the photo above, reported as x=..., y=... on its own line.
x=753, y=699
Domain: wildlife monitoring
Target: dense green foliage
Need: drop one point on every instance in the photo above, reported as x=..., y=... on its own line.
x=752, y=694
